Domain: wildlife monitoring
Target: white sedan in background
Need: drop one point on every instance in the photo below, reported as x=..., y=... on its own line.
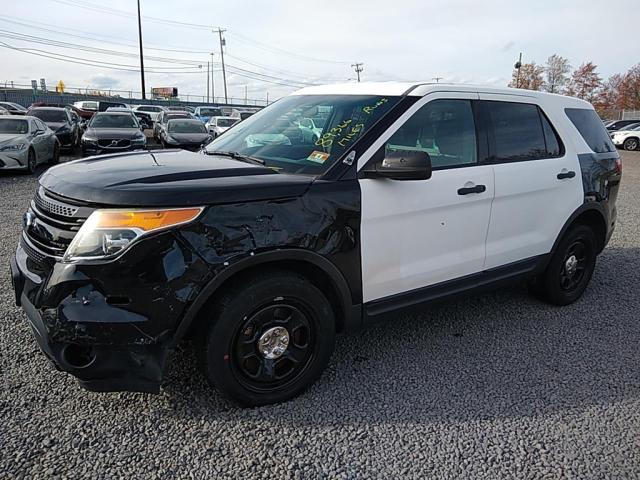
x=26, y=142
x=216, y=126
x=628, y=138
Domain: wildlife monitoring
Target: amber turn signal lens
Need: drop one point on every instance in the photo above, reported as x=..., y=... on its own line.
x=145, y=220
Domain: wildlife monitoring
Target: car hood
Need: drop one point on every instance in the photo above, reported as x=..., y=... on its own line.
x=189, y=137
x=55, y=125
x=169, y=178
x=11, y=137
x=101, y=133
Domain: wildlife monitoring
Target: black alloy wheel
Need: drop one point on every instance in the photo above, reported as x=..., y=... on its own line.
x=267, y=338
x=570, y=268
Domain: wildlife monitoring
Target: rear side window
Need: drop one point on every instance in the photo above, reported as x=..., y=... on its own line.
x=518, y=132
x=591, y=128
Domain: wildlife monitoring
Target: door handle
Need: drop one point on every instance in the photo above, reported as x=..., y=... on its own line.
x=569, y=174
x=468, y=190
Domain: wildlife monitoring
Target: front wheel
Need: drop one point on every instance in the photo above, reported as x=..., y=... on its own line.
x=630, y=144
x=268, y=339
x=55, y=158
x=32, y=161
x=570, y=268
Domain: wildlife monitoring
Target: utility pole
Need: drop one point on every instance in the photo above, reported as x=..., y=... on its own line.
x=141, y=60
x=207, y=82
x=437, y=79
x=213, y=92
x=517, y=67
x=358, y=66
x=224, y=73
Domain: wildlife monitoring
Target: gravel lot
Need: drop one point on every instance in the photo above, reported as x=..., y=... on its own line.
x=497, y=386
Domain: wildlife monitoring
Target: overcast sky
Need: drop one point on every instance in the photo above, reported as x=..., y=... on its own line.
x=306, y=41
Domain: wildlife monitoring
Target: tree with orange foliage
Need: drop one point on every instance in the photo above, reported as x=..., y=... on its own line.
x=530, y=77
x=629, y=90
x=585, y=83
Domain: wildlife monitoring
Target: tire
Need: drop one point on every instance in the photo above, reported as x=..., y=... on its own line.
x=55, y=159
x=631, y=144
x=32, y=162
x=570, y=268
x=245, y=351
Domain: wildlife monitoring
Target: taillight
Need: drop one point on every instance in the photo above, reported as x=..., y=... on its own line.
x=619, y=165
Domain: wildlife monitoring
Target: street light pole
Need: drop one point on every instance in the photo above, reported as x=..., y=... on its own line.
x=141, y=56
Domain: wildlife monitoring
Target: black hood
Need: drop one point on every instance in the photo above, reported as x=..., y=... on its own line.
x=169, y=178
x=107, y=133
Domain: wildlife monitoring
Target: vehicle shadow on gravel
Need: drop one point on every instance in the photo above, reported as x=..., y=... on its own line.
x=498, y=355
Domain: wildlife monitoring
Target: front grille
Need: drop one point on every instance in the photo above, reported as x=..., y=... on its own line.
x=114, y=143
x=53, y=224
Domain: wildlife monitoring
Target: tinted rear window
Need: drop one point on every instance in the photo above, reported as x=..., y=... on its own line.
x=591, y=128
x=53, y=116
x=517, y=131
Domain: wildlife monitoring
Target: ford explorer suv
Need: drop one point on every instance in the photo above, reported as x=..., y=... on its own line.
x=267, y=243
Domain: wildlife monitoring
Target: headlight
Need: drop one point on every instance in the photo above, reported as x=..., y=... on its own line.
x=17, y=146
x=170, y=139
x=109, y=232
x=140, y=139
x=89, y=139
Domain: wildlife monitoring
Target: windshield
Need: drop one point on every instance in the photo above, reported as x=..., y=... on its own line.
x=16, y=127
x=211, y=112
x=13, y=106
x=275, y=136
x=113, y=121
x=182, y=126
x=225, y=122
x=53, y=116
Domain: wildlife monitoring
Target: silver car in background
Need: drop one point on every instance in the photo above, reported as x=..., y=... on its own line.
x=26, y=142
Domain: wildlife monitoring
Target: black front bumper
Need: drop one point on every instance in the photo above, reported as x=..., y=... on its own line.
x=93, y=149
x=105, y=347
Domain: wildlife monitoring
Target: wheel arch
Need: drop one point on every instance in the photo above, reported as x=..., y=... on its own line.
x=591, y=214
x=314, y=267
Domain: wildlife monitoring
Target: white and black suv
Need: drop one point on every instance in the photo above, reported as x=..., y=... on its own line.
x=268, y=242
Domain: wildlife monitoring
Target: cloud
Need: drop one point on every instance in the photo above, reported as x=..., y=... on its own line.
x=104, y=81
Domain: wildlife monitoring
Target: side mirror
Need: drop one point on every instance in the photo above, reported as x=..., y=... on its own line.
x=402, y=165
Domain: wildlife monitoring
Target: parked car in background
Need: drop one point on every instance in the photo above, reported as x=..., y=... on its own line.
x=4, y=111
x=216, y=126
x=164, y=117
x=144, y=119
x=246, y=114
x=152, y=110
x=205, y=113
x=103, y=106
x=14, y=108
x=109, y=132
x=181, y=108
x=91, y=105
x=310, y=131
x=619, y=124
x=64, y=123
x=188, y=134
x=628, y=137
x=26, y=142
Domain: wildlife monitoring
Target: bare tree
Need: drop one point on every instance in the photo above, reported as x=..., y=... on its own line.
x=530, y=77
x=556, y=71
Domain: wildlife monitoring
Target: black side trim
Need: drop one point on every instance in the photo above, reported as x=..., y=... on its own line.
x=470, y=284
x=352, y=313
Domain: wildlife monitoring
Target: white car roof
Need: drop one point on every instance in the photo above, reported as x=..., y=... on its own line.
x=420, y=89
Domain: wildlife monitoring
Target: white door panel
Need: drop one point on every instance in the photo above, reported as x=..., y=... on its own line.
x=419, y=233
x=531, y=204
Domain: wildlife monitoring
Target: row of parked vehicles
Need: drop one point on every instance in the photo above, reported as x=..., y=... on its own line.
x=29, y=137
x=624, y=133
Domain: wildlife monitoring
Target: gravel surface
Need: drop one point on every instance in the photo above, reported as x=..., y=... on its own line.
x=496, y=386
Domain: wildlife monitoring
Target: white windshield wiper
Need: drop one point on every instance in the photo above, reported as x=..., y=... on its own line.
x=237, y=156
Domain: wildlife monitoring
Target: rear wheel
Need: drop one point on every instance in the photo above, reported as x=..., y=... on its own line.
x=630, y=144
x=570, y=268
x=268, y=340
